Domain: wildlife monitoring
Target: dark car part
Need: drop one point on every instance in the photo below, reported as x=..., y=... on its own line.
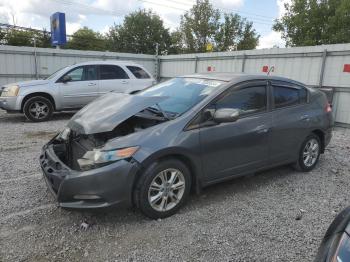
x=335, y=246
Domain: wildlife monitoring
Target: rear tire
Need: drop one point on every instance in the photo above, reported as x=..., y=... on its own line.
x=38, y=109
x=163, y=188
x=309, y=153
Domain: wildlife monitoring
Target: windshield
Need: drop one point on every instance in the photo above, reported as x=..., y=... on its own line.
x=182, y=93
x=55, y=73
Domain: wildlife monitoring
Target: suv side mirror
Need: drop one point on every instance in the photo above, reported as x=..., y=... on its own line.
x=66, y=79
x=226, y=115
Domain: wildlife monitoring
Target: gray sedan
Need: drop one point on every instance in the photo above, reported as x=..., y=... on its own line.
x=152, y=148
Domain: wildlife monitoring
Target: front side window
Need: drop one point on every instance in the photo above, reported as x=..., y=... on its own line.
x=82, y=73
x=288, y=96
x=112, y=72
x=138, y=72
x=76, y=74
x=248, y=100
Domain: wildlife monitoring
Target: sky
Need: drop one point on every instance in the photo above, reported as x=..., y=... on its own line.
x=99, y=15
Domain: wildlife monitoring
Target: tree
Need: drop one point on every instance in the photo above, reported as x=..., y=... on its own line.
x=203, y=24
x=87, y=39
x=43, y=39
x=19, y=37
x=139, y=33
x=315, y=22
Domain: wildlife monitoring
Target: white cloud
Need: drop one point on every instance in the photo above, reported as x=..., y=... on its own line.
x=270, y=40
x=281, y=8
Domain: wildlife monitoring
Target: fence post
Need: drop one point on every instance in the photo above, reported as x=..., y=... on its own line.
x=323, y=65
x=35, y=61
x=243, y=63
x=196, y=64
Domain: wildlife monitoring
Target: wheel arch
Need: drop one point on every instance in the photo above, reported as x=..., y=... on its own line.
x=321, y=136
x=42, y=94
x=190, y=161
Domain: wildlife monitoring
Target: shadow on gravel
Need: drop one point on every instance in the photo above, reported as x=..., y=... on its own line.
x=18, y=118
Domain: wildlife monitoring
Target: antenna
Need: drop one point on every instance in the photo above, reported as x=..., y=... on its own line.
x=272, y=69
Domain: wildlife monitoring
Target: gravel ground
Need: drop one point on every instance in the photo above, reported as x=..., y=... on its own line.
x=246, y=219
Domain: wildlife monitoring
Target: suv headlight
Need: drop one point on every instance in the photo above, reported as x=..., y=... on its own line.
x=98, y=158
x=10, y=91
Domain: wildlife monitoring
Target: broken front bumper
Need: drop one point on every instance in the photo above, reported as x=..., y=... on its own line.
x=102, y=187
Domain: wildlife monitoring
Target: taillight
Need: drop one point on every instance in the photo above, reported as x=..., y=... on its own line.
x=328, y=108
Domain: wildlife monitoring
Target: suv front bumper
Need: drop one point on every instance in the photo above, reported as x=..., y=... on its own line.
x=110, y=185
x=11, y=103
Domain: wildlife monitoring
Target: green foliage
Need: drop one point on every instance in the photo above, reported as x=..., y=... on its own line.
x=139, y=33
x=19, y=37
x=87, y=39
x=315, y=22
x=203, y=24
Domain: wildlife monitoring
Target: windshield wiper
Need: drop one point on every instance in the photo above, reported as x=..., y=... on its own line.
x=159, y=110
x=163, y=112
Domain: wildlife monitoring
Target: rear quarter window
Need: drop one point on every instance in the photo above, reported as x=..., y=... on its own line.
x=288, y=96
x=138, y=72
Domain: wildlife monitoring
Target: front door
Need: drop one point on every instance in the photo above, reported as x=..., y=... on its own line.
x=82, y=87
x=240, y=147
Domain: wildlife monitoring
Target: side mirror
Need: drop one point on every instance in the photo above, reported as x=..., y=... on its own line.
x=226, y=115
x=66, y=79
x=335, y=245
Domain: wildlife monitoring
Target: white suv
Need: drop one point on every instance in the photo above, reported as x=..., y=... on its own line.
x=73, y=87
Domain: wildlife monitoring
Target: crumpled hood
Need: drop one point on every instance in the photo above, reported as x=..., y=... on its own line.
x=29, y=83
x=108, y=111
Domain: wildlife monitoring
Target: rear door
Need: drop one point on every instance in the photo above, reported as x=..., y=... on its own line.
x=240, y=147
x=82, y=89
x=140, y=78
x=291, y=121
x=113, y=78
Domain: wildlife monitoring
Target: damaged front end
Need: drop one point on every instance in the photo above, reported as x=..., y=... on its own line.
x=86, y=151
x=76, y=163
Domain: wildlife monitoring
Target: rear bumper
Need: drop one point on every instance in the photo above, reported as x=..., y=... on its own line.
x=11, y=103
x=102, y=187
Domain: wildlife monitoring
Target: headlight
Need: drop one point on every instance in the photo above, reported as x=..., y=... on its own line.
x=97, y=158
x=10, y=91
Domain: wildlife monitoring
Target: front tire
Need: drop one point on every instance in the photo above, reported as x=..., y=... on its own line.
x=38, y=109
x=309, y=153
x=163, y=188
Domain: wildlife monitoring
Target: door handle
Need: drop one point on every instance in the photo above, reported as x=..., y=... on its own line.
x=91, y=84
x=262, y=129
x=305, y=118
x=124, y=82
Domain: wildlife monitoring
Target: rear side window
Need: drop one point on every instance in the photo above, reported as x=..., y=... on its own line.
x=112, y=72
x=248, y=100
x=288, y=96
x=138, y=72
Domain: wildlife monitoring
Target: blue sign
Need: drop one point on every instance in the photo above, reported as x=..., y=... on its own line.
x=58, y=29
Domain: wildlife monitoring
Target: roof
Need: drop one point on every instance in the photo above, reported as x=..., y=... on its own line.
x=108, y=62
x=238, y=77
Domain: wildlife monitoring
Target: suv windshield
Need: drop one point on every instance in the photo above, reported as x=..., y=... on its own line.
x=182, y=93
x=55, y=73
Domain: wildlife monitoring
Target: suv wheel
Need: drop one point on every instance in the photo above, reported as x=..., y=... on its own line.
x=309, y=153
x=163, y=188
x=38, y=109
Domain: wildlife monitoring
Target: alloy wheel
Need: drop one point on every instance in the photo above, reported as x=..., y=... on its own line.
x=311, y=152
x=39, y=110
x=166, y=190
